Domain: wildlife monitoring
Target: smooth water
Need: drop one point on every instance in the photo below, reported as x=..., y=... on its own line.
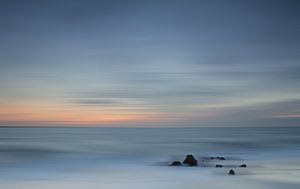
x=88, y=158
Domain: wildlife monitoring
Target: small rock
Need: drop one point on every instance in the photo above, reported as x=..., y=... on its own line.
x=243, y=165
x=219, y=166
x=231, y=172
x=190, y=160
x=221, y=158
x=176, y=163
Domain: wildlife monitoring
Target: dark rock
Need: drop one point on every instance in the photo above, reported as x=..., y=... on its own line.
x=219, y=166
x=221, y=158
x=243, y=165
x=231, y=172
x=190, y=160
x=212, y=158
x=176, y=163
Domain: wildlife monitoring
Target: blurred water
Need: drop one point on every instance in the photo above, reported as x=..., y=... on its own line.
x=138, y=157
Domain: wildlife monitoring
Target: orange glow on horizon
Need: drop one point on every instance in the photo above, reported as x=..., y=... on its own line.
x=70, y=115
x=53, y=114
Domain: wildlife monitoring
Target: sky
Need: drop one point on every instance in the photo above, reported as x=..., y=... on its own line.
x=172, y=63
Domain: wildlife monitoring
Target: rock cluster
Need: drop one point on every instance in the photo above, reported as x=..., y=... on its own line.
x=190, y=160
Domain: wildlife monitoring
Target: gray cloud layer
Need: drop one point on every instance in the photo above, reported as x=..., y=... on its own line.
x=237, y=61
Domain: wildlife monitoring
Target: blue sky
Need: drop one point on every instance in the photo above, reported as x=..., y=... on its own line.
x=150, y=63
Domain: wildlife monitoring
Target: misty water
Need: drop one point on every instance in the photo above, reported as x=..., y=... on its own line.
x=88, y=158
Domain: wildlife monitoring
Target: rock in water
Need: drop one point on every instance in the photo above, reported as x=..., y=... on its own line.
x=231, y=172
x=219, y=166
x=243, y=165
x=190, y=160
x=175, y=163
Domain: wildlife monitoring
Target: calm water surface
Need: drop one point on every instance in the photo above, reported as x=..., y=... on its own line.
x=91, y=158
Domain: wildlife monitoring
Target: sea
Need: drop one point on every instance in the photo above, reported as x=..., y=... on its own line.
x=139, y=158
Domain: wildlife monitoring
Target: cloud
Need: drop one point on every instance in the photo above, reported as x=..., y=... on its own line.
x=90, y=102
x=200, y=65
